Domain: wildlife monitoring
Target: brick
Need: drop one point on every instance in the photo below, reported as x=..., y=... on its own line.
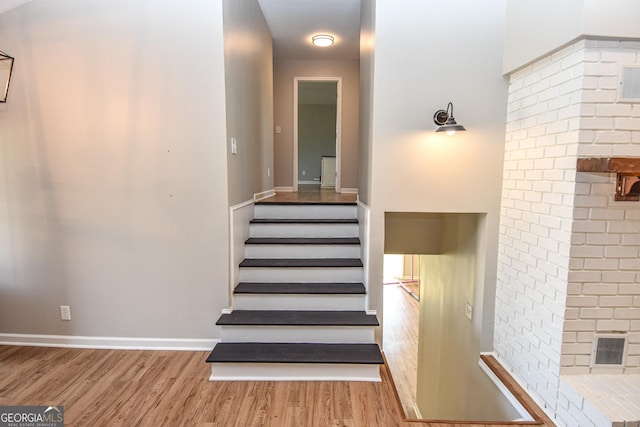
x=596, y=313
x=613, y=325
x=630, y=264
x=615, y=301
x=587, y=251
x=602, y=264
x=624, y=227
x=627, y=313
x=621, y=277
x=599, y=289
x=580, y=325
x=621, y=252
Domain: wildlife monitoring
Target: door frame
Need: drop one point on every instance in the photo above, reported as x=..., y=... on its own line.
x=296, y=81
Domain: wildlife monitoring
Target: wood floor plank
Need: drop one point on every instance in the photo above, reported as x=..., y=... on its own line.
x=151, y=388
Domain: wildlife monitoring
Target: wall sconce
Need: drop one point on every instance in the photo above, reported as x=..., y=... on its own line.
x=6, y=65
x=446, y=122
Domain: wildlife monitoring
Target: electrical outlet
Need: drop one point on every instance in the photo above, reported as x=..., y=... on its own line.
x=468, y=311
x=65, y=312
x=234, y=145
x=278, y=129
x=268, y=172
x=304, y=173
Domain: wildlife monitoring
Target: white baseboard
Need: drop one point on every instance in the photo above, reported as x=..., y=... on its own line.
x=114, y=343
x=416, y=410
x=349, y=190
x=283, y=189
x=312, y=182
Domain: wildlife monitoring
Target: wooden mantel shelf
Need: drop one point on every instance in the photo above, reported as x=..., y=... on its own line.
x=627, y=170
x=628, y=165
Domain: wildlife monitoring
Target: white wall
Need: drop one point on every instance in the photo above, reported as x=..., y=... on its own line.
x=537, y=28
x=367, y=53
x=284, y=72
x=414, y=169
x=249, y=99
x=113, y=175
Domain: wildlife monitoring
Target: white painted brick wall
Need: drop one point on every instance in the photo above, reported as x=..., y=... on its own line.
x=569, y=260
x=536, y=216
x=604, y=261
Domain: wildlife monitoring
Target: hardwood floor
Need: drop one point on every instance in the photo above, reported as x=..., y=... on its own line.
x=311, y=194
x=171, y=388
x=400, y=325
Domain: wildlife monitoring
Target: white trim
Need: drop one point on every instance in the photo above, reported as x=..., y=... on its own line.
x=114, y=343
x=230, y=371
x=233, y=262
x=349, y=190
x=283, y=189
x=309, y=182
x=241, y=205
x=338, y=80
x=263, y=195
x=416, y=410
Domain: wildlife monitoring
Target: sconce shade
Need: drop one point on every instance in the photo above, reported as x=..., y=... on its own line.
x=446, y=122
x=6, y=66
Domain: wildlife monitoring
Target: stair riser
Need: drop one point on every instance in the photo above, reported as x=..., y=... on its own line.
x=294, y=372
x=307, y=275
x=306, y=211
x=298, y=302
x=304, y=230
x=299, y=334
x=302, y=251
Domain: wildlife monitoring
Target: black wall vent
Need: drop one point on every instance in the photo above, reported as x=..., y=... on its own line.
x=610, y=351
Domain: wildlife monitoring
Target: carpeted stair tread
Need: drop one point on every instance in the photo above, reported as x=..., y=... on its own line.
x=303, y=241
x=296, y=353
x=299, y=288
x=301, y=262
x=304, y=221
x=298, y=318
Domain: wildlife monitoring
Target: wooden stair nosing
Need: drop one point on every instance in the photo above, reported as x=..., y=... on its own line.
x=301, y=263
x=321, y=221
x=302, y=241
x=299, y=288
x=297, y=318
x=296, y=353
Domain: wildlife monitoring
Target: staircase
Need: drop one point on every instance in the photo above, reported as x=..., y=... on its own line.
x=299, y=309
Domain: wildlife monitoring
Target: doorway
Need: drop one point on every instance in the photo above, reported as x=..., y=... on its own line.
x=316, y=133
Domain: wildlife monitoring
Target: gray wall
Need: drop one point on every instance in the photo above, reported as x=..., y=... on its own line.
x=316, y=138
x=249, y=99
x=284, y=72
x=113, y=171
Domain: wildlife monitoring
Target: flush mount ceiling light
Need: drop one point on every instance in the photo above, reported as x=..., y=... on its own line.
x=446, y=122
x=6, y=66
x=322, y=40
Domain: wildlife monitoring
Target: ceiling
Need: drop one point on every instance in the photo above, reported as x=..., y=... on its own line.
x=10, y=4
x=293, y=22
